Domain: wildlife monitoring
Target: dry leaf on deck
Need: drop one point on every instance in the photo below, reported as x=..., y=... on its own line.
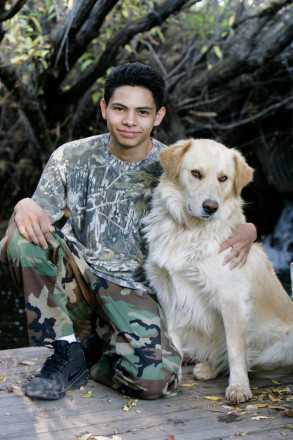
x=101, y=437
x=85, y=436
x=27, y=363
x=191, y=384
x=88, y=394
x=129, y=404
x=261, y=417
x=274, y=399
x=288, y=426
x=289, y=413
x=213, y=397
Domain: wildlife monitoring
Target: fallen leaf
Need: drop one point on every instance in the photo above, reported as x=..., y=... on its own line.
x=241, y=434
x=188, y=384
x=289, y=413
x=263, y=405
x=2, y=378
x=27, y=363
x=261, y=417
x=171, y=437
x=213, y=398
x=276, y=407
x=274, y=399
x=101, y=437
x=228, y=407
x=129, y=404
x=276, y=382
x=288, y=426
x=279, y=391
x=88, y=394
x=85, y=436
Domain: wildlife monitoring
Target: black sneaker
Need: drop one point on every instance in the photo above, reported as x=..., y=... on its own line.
x=65, y=369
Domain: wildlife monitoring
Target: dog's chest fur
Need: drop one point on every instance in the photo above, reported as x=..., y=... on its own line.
x=184, y=254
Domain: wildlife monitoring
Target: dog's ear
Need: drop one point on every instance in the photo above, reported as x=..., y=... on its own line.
x=171, y=157
x=243, y=172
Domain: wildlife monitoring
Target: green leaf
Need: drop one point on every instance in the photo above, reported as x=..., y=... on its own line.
x=204, y=49
x=231, y=20
x=218, y=52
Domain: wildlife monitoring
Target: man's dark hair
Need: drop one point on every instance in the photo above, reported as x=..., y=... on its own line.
x=136, y=74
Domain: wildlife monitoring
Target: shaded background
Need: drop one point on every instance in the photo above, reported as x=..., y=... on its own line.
x=228, y=72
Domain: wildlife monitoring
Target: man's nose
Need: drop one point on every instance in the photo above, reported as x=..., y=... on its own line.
x=129, y=119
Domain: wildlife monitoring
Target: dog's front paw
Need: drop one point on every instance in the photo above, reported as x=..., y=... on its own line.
x=204, y=371
x=238, y=393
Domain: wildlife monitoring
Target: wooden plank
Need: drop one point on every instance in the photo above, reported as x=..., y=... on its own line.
x=186, y=415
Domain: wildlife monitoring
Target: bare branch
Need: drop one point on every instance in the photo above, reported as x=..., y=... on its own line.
x=154, y=18
x=82, y=25
x=29, y=104
x=244, y=121
x=6, y=15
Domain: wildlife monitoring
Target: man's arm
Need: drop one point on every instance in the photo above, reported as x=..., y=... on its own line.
x=241, y=242
x=33, y=222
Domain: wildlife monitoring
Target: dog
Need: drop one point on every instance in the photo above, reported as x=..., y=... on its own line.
x=227, y=320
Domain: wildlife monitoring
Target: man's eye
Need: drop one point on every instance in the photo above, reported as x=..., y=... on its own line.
x=223, y=178
x=196, y=174
x=144, y=112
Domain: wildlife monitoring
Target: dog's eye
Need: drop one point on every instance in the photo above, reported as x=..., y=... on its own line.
x=196, y=174
x=223, y=178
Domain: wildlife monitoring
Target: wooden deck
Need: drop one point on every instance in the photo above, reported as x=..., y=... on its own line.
x=198, y=411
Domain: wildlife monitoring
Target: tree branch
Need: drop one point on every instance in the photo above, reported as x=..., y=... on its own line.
x=29, y=105
x=96, y=70
x=244, y=121
x=269, y=44
x=6, y=15
x=81, y=27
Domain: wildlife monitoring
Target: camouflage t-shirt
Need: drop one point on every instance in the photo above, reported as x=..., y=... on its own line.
x=107, y=199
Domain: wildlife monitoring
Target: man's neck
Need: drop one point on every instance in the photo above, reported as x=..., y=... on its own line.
x=131, y=154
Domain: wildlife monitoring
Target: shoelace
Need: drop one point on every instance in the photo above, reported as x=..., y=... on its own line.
x=52, y=364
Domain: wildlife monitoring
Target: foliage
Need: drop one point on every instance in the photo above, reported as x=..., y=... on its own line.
x=227, y=66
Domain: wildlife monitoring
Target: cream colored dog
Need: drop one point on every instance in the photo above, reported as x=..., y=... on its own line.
x=240, y=319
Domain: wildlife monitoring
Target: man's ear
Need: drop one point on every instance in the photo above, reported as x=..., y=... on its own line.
x=103, y=106
x=243, y=172
x=160, y=116
x=171, y=157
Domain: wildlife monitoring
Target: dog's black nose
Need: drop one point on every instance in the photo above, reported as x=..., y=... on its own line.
x=210, y=206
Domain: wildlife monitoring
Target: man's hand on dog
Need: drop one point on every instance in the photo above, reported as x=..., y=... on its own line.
x=241, y=241
x=33, y=222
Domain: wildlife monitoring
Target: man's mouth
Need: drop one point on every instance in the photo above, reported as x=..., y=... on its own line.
x=128, y=133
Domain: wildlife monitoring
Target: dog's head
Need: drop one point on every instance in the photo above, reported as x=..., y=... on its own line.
x=207, y=172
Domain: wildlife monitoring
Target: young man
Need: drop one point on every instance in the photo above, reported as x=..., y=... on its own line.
x=91, y=269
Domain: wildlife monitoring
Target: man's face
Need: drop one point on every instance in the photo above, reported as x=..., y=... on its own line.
x=131, y=115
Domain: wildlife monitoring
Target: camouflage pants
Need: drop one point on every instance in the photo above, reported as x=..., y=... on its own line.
x=61, y=294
